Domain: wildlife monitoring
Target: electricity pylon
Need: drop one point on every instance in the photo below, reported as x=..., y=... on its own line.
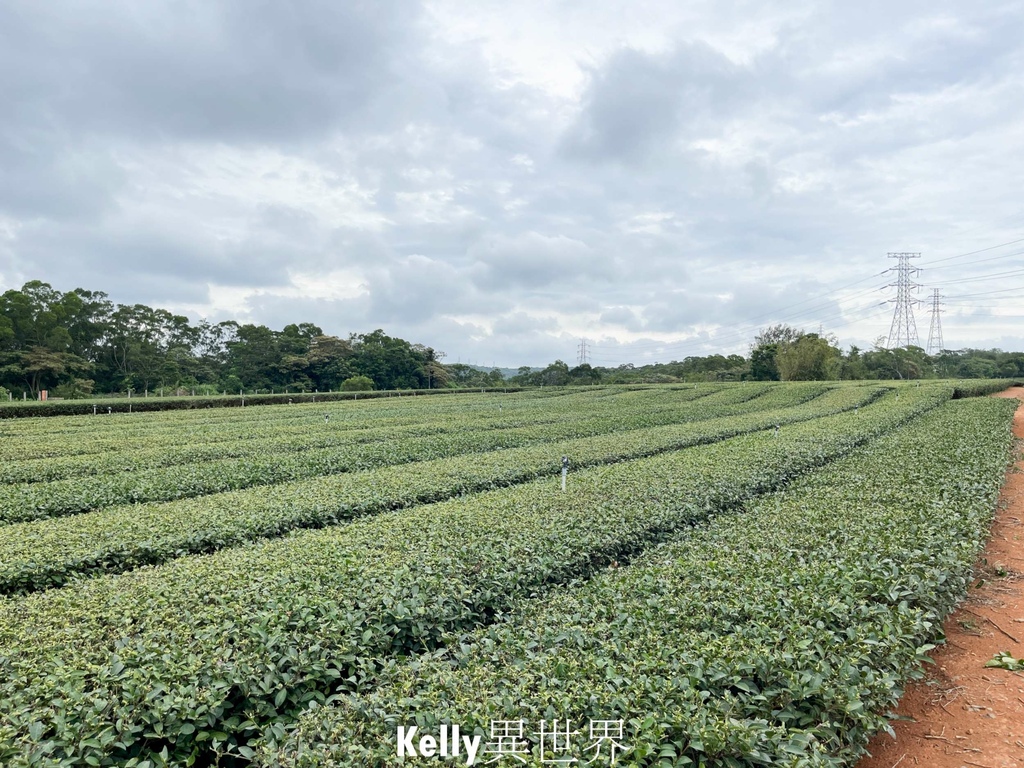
x=935, y=332
x=903, y=331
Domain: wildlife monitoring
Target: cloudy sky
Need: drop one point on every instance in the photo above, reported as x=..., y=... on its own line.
x=501, y=179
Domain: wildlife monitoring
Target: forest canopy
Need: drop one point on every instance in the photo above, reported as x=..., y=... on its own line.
x=78, y=343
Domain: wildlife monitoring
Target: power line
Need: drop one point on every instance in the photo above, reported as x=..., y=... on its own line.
x=696, y=345
x=972, y=253
x=814, y=298
x=977, y=261
x=852, y=316
x=826, y=300
x=961, y=304
x=745, y=331
x=987, y=293
x=753, y=326
x=978, y=278
x=1003, y=224
x=992, y=317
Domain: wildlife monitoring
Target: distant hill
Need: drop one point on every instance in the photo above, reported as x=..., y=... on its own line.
x=507, y=373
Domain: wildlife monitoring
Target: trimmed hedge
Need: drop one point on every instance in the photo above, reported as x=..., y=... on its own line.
x=98, y=450
x=980, y=387
x=13, y=410
x=773, y=637
x=32, y=501
x=45, y=440
x=194, y=658
x=46, y=553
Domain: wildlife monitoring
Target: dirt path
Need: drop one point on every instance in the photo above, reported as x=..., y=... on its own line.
x=964, y=714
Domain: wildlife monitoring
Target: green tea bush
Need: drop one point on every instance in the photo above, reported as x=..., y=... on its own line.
x=775, y=635
x=197, y=657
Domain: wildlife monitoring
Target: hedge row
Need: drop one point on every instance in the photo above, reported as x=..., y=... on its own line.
x=981, y=387
x=139, y=405
x=14, y=410
x=52, y=438
x=46, y=553
x=194, y=658
x=772, y=637
x=33, y=501
x=99, y=453
x=392, y=405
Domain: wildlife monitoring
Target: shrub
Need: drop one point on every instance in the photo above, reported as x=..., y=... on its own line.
x=76, y=389
x=357, y=384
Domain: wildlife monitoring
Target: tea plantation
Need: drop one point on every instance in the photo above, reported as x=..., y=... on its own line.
x=734, y=575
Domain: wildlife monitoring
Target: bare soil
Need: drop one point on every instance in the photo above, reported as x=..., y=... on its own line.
x=962, y=713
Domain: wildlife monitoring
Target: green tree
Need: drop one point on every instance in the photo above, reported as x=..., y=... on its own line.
x=253, y=357
x=436, y=374
x=146, y=348
x=328, y=361
x=898, y=363
x=852, y=365
x=777, y=334
x=584, y=374
x=763, y=364
x=555, y=375
x=462, y=375
x=41, y=368
x=809, y=358
x=391, y=363
x=494, y=378
x=86, y=316
x=526, y=377
x=35, y=341
x=975, y=367
x=764, y=351
x=1011, y=367
x=75, y=388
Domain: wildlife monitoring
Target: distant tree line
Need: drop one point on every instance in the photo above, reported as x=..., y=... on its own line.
x=785, y=353
x=80, y=343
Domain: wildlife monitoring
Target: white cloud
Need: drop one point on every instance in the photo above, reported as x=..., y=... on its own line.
x=499, y=179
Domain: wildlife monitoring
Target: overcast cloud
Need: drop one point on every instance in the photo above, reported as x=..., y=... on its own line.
x=499, y=180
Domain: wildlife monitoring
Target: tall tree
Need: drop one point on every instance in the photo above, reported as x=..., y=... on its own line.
x=809, y=358
x=35, y=340
x=763, y=364
x=328, y=361
x=41, y=368
x=390, y=362
x=254, y=358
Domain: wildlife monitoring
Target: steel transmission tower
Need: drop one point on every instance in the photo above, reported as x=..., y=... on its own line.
x=903, y=331
x=582, y=353
x=935, y=332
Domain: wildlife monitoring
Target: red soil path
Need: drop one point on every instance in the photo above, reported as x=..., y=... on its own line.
x=962, y=713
